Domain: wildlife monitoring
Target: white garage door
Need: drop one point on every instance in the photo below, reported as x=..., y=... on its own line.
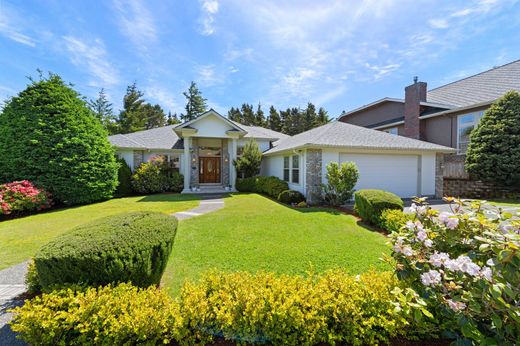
x=394, y=173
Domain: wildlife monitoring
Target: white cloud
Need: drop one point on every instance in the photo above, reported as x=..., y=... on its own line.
x=207, y=75
x=163, y=96
x=382, y=70
x=10, y=27
x=93, y=57
x=136, y=22
x=209, y=9
x=438, y=23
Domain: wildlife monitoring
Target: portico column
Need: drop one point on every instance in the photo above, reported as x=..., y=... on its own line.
x=232, y=170
x=187, y=164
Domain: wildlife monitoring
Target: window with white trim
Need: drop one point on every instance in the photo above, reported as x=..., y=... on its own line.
x=391, y=130
x=465, y=124
x=286, y=168
x=291, y=169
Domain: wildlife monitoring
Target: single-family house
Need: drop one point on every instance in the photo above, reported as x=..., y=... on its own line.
x=444, y=115
x=203, y=150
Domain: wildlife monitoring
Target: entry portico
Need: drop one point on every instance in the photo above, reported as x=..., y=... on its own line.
x=210, y=146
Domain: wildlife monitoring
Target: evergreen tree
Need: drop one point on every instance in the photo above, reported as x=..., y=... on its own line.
x=323, y=117
x=172, y=119
x=234, y=114
x=309, y=118
x=50, y=137
x=248, y=165
x=131, y=118
x=154, y=116
x=195, y=103
x=103, y=110
x=494, y=149
x=248, y=115
x=259, y=116
x=274, y=122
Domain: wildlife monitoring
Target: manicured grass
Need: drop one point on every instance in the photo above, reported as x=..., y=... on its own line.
x=253, y=233
x=21, y=238
x=506, y=202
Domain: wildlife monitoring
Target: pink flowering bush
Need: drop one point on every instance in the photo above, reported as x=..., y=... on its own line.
x=22, y=196
x=466, y=265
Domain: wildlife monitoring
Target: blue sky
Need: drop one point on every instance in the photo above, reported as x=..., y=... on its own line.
x=336, y=54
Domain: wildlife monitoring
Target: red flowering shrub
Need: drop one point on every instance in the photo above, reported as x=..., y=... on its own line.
x=20, y=196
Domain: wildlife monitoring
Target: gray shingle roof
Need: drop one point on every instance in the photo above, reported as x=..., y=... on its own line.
x=165, y=138
x=485, y=86
x=339, y=134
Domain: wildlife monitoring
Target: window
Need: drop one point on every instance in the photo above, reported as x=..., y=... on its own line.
x=286, y=169
x=174, y=162
x=392, y=130
x=465, y=124
x=291, y=169
x=296, y=169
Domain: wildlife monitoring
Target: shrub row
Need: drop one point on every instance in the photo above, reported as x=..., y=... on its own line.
x=271, y=186
x=291, y=197
x=130, y=247
x=155, y=176
x=262, y=308
x=370, y=204
x=22, y=196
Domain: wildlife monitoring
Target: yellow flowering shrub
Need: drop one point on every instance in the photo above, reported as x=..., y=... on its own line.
x=247, y=308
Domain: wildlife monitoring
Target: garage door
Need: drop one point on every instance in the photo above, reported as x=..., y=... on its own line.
x=394, y=173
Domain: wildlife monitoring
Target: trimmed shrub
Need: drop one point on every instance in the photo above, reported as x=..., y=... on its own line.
x=150, y=177
x=262, y=308
x=50, y=137
x=124, y=176
x=341, y=180
x=369, y=204
x=246, y=184
x=271, y=186
x=129, y=247
x=291, y=197
x=393, y=219
x=121, y=315
x=176, y=183
x=22, y=196
x=248, y=165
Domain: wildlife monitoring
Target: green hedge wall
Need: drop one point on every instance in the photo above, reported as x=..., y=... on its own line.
x=291, y=196
x=130, y=247
x=369, y=204
x=271, y=186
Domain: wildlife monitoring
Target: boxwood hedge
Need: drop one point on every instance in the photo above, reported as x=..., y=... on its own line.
x=130, y=247
x=370, y=204
x=270, y=186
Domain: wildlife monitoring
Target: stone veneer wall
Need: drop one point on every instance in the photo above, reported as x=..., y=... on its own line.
x=225, y=165
x=468, y=188
x=194, y=166
x=439, y=175
x=138, y=158
x=313, y=175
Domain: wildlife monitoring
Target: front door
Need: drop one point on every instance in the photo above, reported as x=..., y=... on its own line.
x=209, y=170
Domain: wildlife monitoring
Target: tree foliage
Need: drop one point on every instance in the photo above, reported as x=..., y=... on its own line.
x=50, y=137
x=248, y=165
x=290, y=121
x=195, y=103
x=103, y=110
x=494, y=150
x=341, y=180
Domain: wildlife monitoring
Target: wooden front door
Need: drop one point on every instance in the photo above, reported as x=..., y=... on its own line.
x=209, y=170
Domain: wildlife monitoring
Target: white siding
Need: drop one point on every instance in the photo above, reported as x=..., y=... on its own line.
x=428, y=174
x=273, y=166
x=211, y=126
x=127, y=155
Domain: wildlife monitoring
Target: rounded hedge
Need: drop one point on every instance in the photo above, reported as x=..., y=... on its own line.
x=370, y=204
x=49, y=137
x=129, y=247
x=291, y=197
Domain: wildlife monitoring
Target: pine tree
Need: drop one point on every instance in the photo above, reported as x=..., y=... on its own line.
x=309, y=119
x=234, y=114
x=130, y=118
x=195, y=103
x=153, y=116
x=103, y=110
x=248, y=115
x=172, y=119
x=323, y=117
x=259, y=116
x=274, y=122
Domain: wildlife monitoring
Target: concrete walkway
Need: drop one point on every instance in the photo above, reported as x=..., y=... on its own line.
x=12, y=279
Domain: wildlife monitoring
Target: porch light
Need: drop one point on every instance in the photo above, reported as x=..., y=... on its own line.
x=226, y=159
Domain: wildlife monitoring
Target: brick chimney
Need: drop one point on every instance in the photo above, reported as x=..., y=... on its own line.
x=413, y=96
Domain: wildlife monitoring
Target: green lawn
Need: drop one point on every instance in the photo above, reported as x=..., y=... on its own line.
x=506, y=202
x=21, y=238
x=254, y=233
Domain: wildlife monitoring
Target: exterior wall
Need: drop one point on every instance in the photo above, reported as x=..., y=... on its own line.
x=263, y=144
x=413, y=95
x=376, y=114
x=273, y=166
x=440, y=130
x=211, y=126
x=138, y=158
x=313, y=175
x=467, y=188
x=428, y=174
x=127, y=155
x=225, y=165
x=439, y=175
x=194, y=171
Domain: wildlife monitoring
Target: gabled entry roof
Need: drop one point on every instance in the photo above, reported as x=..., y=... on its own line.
x=189, y=125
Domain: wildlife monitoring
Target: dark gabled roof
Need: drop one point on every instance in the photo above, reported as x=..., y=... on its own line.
x=339, y=134
x=485, y=86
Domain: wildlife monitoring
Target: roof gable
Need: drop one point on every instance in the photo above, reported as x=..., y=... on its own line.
x=210, y=114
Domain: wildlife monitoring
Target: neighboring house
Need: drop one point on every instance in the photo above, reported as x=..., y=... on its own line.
x=204, y=149
x=444, y=115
